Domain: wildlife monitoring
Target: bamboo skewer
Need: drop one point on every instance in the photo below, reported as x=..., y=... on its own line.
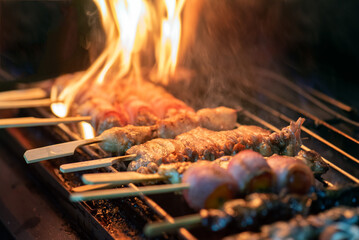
x=26, y=103
x=92, y=164
x=85, y=188
x=57, y=150
x=119, y=178
x=126, y=192
x=32, y=121
x=156, y=229
x=22, y=94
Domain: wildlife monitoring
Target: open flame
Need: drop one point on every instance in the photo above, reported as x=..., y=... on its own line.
x=129, y=25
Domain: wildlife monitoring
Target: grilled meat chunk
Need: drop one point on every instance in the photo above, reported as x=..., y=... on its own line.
x=120, y=139
x=260, y=208
x=201, y=143
x=210, y=186
x=217, y=119
x=342, y=220
x=292, y=174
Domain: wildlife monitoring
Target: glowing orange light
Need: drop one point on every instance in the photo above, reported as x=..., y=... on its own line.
x=128, y=25
x=87, y=131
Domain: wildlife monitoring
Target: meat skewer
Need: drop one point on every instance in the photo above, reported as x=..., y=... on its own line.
x=258, y=209
x=201, y=143
x=337, y=223
x=133, y=106
x=248, y=168
x=247, y=171
x=196, y=143
x=212, y=181
x=120, y=139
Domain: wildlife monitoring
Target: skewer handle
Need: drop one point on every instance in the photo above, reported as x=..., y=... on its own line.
x=127, y=192
x=22, y=94
x=85, y=188
x=119, y=178
x=93, y=164
x=156, y=229
x=26, y=103
x=57, y=150
x=32, y=121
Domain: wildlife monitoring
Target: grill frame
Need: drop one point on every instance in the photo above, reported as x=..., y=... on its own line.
x=83, y=211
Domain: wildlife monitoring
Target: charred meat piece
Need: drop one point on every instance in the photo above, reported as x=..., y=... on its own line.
x=167, y=105
x=139, y=112
x=165, y=128
x=104, y=115
x=210, y=186
x=252, y=212
x=120, y=139
x=175, y=125
x=153, y=151
x=217, y=119
x=251, y=171
x=341, y=220
x=261, y=208
x=314, y=161
x=292, y=175
x=201, y=143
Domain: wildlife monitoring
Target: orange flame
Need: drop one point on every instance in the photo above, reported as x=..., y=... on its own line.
x=127, y=25
x=167, y=47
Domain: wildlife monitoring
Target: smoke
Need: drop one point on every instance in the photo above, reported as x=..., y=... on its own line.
x=231, y=38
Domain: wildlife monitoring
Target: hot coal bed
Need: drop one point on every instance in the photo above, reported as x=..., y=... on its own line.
x=272, y=102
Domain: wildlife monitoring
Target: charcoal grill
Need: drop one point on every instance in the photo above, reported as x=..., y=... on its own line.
x=329, y=129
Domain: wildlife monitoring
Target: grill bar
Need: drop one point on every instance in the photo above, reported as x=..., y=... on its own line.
x=330, y=100
x=311, y=133
x=304, y=113
x=302, y=92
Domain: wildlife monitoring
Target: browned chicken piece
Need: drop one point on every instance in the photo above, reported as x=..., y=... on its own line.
x=177, y=124
x=118, y=139
x=217, y=119
x=202, y=143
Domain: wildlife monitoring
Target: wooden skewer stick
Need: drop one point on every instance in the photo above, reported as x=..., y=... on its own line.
x=119, y=178
x=156, y=229
x=22, y=94
x=85, y=188
x=57, y=150
x=32, y=121
x=93, y=164
x=26, y=103
x=127, y=192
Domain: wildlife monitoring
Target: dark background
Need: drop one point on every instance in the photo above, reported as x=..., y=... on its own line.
x=312, y=42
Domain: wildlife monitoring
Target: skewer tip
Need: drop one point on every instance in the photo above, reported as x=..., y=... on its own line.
x=76, y=197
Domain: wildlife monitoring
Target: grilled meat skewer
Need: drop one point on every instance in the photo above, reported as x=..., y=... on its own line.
x=201, y=143
x=247, y=170
x=265, y=208
x=174, y=171
x=336, y=223
x=120, y=139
